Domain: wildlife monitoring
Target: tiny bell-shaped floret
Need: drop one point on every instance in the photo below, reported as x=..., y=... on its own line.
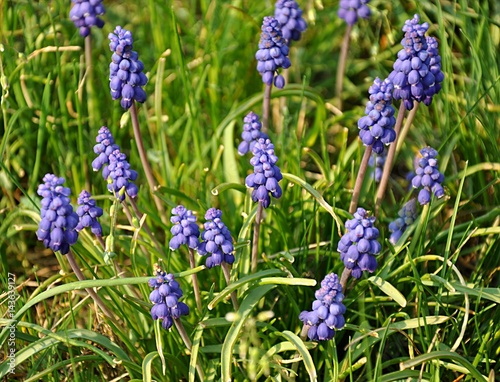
x=84, y=15
x=289, y=15
x=352, y=10
x=216, y=242
x=165, y=298
x=359, y=246
x=406, y=216
x=427, y=176
x=328, y=310
x=88, y=212
x=266, y=175
x=272, y=53
x=57, y=227
x=184, y=229
x=251, y=133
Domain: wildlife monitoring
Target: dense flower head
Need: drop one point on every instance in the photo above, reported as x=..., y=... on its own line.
x=328, y=309
x=266, y=175
x=251, y=133
x=165, y=298
x=377, y=162
x=417, y=71
x=88, y=212
x=427, y=176
x=435, y=70
x=125, y=71
x=351, y=10
x=406, y=216
x=184, y=229
x=289, y=15
x=121, y=176
x=217, y=242
x=272, y=53
x=376, y=128
x=84, y=15
x=359, y=245
x=58, y=220
x=104, y=147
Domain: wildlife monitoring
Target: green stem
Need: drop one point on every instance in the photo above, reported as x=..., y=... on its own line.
x=390, y=158
x=187, y=342
x=359, y=179
x=145, y=225
x=266, y=106
x=144, y=158
x=342, y=64
x=90, y=291
x=255, y=241
x=227, y=276
x=196, y=287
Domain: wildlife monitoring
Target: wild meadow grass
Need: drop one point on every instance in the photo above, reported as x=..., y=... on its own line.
x=430, y=311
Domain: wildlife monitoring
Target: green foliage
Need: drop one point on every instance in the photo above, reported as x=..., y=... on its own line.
x=429, y=312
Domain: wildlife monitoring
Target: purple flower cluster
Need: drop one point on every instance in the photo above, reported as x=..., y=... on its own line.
x=407, y=215
x=328, y=309
x=88, y=213
x=84, y=15
x=115, y=167
x=428, y=177
x=272, y=53
x=58, y=221
x=125, y=71
x=359, y=245
x=121, y=176
x=251, y=133
x=216, y=240
x=266, y=175
x=376, y=128
x=289, y=15
x=417, y=71
x=185, y=230
x=351, y=10
x=377, y=162
x=104, y=147
x=165, y=298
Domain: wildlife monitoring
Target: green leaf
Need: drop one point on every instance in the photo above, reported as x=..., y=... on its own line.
x=439, y=355
x=229, y=186
x=389, y=290
x=302, y=350
x=316, y=195
x=146, y=366
x=232, y=335
x=237, y=284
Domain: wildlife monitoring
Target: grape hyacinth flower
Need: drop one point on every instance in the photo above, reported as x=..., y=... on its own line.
x=165, y=298
x=251, y=133
x=185, y=230
x=84, y=15
x=377, y=162
x=417, y=71
x=104, y=147
x=328, y=309
x=351, y=10
x=266, y=175
x=58, y=220
x=435, y=68
x=359, y=245
x=407, y=215
x=216, y=240
x=121, y=176
x=126, y=76
x=88, y=213
x=289, y=15
x=428, y=176
x=272, y=53
x=376, y=128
